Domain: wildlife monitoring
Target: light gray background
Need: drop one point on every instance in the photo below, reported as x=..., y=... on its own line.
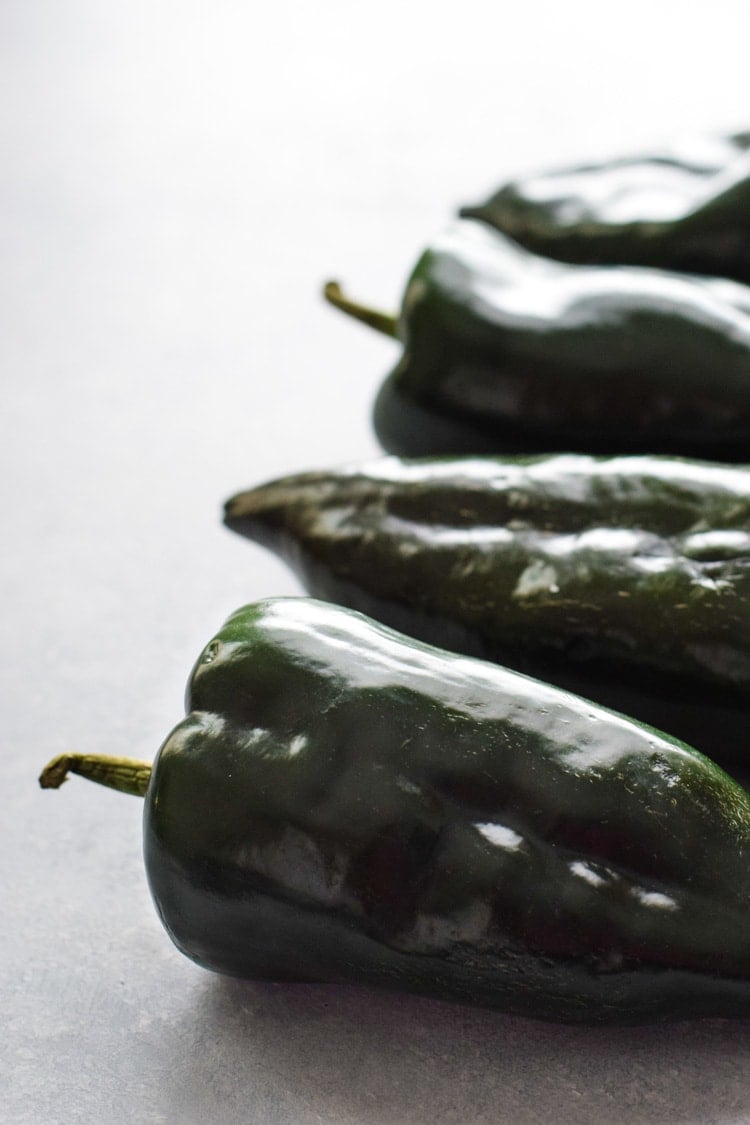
x=177, y=180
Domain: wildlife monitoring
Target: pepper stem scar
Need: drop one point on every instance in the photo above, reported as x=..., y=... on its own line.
x=126, y=775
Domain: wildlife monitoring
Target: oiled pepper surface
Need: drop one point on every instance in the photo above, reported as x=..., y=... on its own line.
x=688, y=210
x=505, y=351
x=341, y=804
x=624, y=579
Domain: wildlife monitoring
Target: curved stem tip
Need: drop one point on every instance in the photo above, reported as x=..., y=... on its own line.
x=126, y=775
x=381, y=322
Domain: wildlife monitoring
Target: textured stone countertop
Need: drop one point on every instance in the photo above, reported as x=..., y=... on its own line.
x=177, y=182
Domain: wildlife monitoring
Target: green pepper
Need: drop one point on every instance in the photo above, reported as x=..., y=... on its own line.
x=508, y=352
x=688, y=210
x=626, y=580
x=342, y=804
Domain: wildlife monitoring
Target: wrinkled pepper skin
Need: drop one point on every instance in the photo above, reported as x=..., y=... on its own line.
x=626, y=580
x=688, y=210
x=344, y=805
x=508, y=352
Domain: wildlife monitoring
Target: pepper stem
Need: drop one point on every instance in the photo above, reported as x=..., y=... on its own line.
x=380, y=321
x=124, y=774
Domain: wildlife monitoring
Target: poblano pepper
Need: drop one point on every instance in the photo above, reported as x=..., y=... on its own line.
x=342, y=804
x=626, y=579
x=688, y=210
x=508, y=352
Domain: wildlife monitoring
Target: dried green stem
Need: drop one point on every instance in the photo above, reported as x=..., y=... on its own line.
x=126, y=775
x=381, y=322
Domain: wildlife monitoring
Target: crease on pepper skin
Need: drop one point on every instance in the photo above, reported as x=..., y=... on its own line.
x=626, y=580
x=342, y=804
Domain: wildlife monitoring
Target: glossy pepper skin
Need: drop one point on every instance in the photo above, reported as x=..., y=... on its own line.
x=626, y=579
x=686, y=210
x=508, y=352
x=341, y=804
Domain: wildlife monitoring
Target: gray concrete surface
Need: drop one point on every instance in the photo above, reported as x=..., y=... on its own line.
x=177, y=180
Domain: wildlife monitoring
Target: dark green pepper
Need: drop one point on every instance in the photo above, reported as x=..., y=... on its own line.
x=344, y=805
x=626, y=580
x=688, y=210
x=508, y=352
